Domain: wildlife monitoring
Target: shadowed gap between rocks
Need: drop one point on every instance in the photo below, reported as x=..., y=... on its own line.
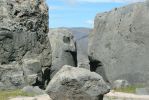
x=97, y=66
x=45, y=79
x=74, y=55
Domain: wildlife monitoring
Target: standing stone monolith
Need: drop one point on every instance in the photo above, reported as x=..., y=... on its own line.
x=63, y=49
x=120, y=41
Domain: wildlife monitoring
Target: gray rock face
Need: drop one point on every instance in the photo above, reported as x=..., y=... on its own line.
x=23, y=35
x=16, y=75
x=63, y=49
x=32, y=71
x=82, y=56
x=120, y=41
x=11, y=76
x=72, y=83
x=23, y=31
x=81, y=37
x=33, y=90
x=2, y=86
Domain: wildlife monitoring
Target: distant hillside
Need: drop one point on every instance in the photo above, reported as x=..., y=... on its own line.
x=81, y=36
x=79, y=32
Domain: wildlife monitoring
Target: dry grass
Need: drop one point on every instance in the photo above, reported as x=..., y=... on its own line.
x=5, y=95
x=129, y=89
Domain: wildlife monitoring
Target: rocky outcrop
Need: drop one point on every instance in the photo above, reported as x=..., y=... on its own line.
x=16, y=75
x=11, y=76
x=23, y=31
x=32, y=71
x=81, y=37
x=23, y=35
x=72, y=83
x=120, y=43
x=63, y=49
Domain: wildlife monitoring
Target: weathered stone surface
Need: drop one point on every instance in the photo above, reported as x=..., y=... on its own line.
x=120, y=41
x=32, y=71
x=82, y=56
x=120, y=84
x=23, y=31
x=72, y=83
x=63, y=49
x=2, y=86
x=81, y=37
x=23, y=35
x=11, y=76
x=33, y=90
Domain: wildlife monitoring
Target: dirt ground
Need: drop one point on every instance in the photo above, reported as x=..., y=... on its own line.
x=124, y=96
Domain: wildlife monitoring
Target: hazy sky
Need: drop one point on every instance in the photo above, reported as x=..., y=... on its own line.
x=79, y=13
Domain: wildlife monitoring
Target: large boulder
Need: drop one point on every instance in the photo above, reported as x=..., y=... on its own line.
x=63, y=49
x=120, y=42
x=23, y=35
x=32, y=71
x=72, y=83
x=23, y=31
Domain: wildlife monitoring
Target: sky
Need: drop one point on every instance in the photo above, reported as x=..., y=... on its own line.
x=79, y=13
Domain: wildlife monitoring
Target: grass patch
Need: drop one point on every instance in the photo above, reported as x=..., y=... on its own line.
x=129, y=89
x=5, y=95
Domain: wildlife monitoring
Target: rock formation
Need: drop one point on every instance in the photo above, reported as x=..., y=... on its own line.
x=72, y=83
x=63, y=49
x=11, y=76
x=33, y=90
x=32, y=71
x=23, y=35
x=81, y=38
x=120, y=43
